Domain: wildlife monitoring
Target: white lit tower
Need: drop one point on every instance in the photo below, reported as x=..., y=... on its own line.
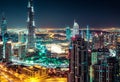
x=75, y=29
x=31, y=25
x=4, y=33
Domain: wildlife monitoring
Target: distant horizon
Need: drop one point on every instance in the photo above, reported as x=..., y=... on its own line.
x=60, y=13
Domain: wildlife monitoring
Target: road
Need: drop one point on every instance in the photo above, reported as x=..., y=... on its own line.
x=12, y=76
x=44, y=79
x=55, y=80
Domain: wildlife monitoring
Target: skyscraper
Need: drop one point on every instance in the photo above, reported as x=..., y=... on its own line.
x=4, y=33
x=1, y=51
x=88, y=33
x=8, y=52
x=31, y=25
x=78, y=58
x=68, y=33
x=79, y=61
x=75, y=29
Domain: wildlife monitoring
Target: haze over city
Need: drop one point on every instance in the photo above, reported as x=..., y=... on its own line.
x=61, y=13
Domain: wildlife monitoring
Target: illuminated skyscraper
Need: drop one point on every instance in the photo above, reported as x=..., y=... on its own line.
x=1, y=51
x=22, y=49
x=31, y=25
x=68, y=33
x=78, y=61
x=88, y=33
x=75, y=29
x=21, y=37
x=8, y=52
x=4, y=33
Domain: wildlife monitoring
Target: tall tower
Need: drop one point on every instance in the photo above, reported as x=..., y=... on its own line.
x=78, y=58
x=31, y=25
x=68, y=33
x=88, y=33
x=4, y=33
x=75, y=29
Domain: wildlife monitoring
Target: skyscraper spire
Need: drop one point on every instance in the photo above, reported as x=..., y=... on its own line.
x=31, y=25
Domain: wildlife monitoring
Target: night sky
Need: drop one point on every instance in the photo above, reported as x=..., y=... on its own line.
x=61, y=13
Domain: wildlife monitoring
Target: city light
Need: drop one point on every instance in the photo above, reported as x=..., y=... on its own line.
x=75, y=52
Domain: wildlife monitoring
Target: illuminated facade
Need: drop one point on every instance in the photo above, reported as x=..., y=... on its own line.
x=68, y=33
x=88, y=33
x=21, y=37
x=31, y=25
x=4, y=34
x=1, y=51
x=22, y=51
x=8, y=52
x=75, y=29
x=78, y=61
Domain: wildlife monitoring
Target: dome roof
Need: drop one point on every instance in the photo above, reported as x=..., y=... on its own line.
x=76, y=24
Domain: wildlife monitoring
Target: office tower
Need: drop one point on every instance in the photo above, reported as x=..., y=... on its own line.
x=21, y=37
x=102, y=70
x=68, y=33
x=79, y=61
x=4, y=33
x=118, y=46
x=103, y=73
x=107, y=67
x=95, y=41
x=1, y=51
x=118, y=50
x=22, y=51
x=75, y=29
x=101, y=40
x=15, y=51
x=113, y=61
x=107, y=71
x=94, y=60
x=88, y=33
x=8, y=52
x=31, y=25
x=94, y=55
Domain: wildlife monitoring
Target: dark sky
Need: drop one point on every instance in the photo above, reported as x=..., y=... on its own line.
x=60, y=13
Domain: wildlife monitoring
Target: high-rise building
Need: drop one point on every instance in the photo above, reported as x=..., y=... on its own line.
x=107, y=68
x=94, y=58
x=79, y=61
x=4, y=33
x=31, y=25
x=103, y=73
x=68, y=33
x=1, y=51
x=8, y=52
x=88, y=33
x=21, y=37
x=75, y=29
x=22, y=51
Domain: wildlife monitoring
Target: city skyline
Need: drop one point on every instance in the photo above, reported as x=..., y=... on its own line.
x=61, y=13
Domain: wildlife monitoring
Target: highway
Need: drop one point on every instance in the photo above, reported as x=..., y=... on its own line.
x=7, y=75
